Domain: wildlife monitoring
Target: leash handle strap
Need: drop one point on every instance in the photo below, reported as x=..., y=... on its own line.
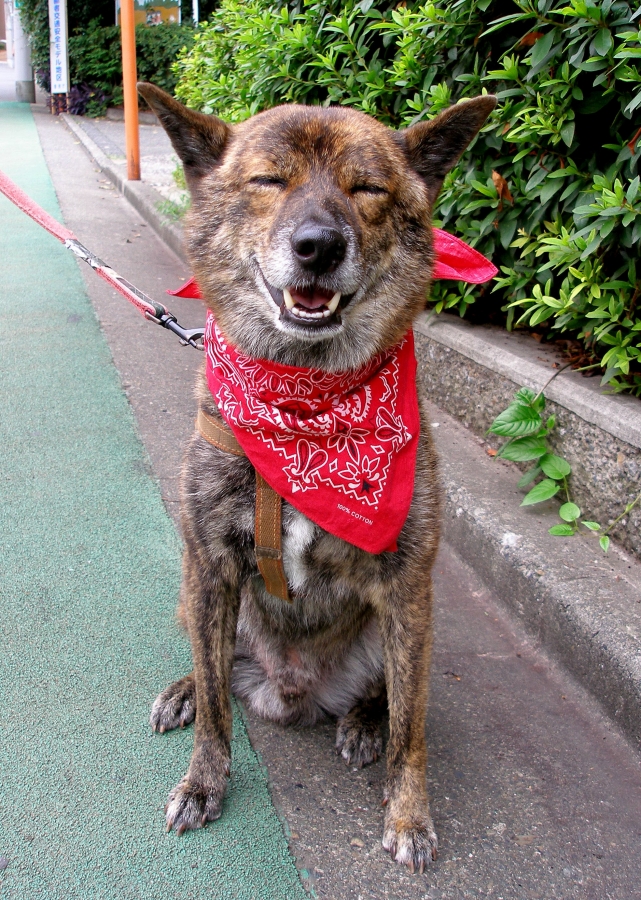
x=267, y=527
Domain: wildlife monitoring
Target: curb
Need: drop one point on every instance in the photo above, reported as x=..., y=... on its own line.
x=473, y=371
x=524, y=362
x=582, y=607
x=145, y=116
x=144, y=198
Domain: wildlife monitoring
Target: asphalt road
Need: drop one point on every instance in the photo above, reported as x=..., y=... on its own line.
x=534, y=794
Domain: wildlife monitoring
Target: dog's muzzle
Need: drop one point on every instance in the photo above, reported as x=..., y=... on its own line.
x=312, y=301
x=319, y=249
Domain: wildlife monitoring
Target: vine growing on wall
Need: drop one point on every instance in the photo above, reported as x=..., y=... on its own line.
x=527, y=428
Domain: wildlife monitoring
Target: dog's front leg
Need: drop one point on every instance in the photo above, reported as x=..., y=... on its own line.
x=211, y=596
x=406, y=628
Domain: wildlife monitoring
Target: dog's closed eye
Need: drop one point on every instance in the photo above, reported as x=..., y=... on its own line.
x=268, y=181
x=364, y=188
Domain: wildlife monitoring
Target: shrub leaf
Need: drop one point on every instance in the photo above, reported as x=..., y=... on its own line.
x=523, y=449
x=555, y=466
x=562, y=530
x=516, y=421
x=569, y=512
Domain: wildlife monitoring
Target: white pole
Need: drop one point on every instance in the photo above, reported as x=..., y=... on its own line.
x=25, y=90
x=8, y=23
x=195, y=11
x=59, y=55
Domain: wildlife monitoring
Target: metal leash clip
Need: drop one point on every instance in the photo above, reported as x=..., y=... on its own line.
x=192, y=337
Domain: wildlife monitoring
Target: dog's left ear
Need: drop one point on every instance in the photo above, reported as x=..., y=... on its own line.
x=199, y=140
x=434, y=147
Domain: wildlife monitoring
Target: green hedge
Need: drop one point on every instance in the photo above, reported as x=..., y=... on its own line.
x=550, y=188
x=35, y=20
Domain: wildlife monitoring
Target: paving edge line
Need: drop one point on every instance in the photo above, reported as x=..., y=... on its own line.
x=144, y=198
x=593, y=632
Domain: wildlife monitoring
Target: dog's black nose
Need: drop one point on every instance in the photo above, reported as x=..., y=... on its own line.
x=318, y=248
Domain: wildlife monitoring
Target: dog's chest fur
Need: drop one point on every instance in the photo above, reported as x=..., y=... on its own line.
x=298, y=534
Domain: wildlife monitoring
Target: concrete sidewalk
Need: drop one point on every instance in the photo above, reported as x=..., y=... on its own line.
x=7, y=82
x=158, y=161
x=535, y=794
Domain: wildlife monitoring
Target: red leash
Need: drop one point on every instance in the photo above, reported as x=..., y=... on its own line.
x=152, y=310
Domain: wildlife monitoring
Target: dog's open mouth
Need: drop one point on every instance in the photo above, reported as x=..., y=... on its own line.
x=311, y=307
x=311, y=303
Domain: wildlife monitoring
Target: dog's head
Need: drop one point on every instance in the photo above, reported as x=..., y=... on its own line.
x=309, y=231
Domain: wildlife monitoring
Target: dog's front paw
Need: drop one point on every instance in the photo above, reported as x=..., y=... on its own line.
x=175, y=707
x=198, y=798
x=358, y=740
x=411, y=842
x=192, y=805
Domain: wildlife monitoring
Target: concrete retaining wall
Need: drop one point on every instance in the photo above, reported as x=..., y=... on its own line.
x=473, y=372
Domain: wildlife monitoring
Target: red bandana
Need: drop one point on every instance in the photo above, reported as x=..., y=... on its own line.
x=340, y=447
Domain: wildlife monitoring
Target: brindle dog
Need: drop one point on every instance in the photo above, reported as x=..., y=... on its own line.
x=307, y=201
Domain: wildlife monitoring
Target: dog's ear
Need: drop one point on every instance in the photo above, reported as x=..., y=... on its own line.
x=434, y=147
x=198, y=139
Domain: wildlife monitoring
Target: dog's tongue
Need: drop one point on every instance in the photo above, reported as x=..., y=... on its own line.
x=310, y=298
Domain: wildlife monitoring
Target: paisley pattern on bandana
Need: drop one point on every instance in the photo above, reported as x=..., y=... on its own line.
x=340, y=447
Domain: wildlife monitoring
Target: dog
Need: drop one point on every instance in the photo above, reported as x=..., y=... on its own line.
x=310, y=239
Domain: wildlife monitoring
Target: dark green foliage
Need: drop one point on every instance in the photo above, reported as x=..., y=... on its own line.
x=95, y=58
x=34, y=15
x=549, y=189
x=157, y=49
x=205, y=9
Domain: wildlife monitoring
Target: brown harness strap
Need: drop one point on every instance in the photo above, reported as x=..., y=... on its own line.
x=269, y=554
x=267, y=528
x=218, y=435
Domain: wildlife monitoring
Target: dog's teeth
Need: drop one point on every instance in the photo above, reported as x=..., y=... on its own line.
x=289, y=303
x=304, y=314
x=333, y=303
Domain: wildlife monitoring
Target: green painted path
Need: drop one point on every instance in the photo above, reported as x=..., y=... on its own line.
x=89, y=572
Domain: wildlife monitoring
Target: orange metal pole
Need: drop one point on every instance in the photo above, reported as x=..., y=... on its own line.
x=129, y=79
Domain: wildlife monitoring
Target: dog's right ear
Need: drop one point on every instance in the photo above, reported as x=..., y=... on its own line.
x=434, y=147
x=199, y=140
